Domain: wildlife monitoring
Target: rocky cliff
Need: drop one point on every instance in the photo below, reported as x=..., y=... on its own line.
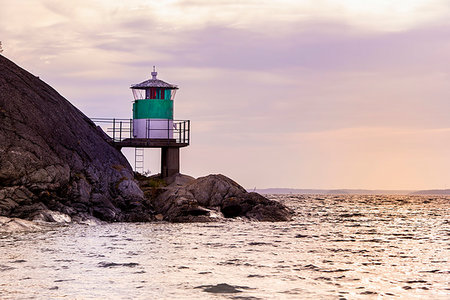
x=54, y=162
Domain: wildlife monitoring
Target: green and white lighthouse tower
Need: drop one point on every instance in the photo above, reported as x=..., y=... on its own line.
x=153, y=108
x=152, y=126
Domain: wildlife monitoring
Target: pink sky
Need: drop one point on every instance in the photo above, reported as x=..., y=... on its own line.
x=301, y=94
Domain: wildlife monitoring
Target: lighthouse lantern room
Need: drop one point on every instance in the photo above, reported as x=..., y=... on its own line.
x=153, y=108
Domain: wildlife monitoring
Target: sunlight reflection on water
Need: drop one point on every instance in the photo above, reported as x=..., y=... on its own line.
x=337, y=247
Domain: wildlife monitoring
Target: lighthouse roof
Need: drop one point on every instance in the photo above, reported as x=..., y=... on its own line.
x=154, y=83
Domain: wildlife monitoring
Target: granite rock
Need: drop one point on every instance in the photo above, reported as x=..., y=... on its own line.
x=55, y=163
x=210, y=198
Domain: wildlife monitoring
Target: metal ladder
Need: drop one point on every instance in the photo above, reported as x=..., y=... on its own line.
x=139, y=160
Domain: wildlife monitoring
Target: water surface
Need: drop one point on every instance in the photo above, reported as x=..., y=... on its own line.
x=337, y=247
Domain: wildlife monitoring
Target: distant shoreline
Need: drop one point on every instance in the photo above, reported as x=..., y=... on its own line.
x=350, y=191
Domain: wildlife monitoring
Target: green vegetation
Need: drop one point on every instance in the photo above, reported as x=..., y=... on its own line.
x=151, y=186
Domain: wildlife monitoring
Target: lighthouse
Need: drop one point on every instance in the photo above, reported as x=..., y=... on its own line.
x=153, y=108
x=152, y=125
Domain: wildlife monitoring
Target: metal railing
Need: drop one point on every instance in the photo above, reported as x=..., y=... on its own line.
x=122, y=129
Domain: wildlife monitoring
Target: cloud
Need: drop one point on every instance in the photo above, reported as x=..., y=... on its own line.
x=141, y=32
x=324, y=47
x=380, y=15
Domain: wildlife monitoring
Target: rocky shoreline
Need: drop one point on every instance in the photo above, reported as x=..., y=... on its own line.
x=179, y=198
x=182, y=198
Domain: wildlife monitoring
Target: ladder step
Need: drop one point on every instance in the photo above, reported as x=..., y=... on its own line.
x=139, y=160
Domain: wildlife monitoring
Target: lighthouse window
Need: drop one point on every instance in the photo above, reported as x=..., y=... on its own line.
x=167, y=95
x=155, y=93
x=150, y=93
x=139, y=94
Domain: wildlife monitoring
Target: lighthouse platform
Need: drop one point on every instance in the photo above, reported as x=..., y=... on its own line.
x=120, y=134
x=149, y=143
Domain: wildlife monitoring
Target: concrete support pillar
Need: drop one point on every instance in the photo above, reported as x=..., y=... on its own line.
x=170, y=161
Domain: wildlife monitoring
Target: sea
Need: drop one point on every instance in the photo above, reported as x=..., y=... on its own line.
x=336, y=247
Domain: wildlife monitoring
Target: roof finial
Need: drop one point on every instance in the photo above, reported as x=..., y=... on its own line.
x=154, y=73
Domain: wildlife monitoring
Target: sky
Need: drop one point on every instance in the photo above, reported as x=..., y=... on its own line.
x=320, y=94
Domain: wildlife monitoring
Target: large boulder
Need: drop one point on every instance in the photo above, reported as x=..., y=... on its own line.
x=211, y=198
x=54, y=159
